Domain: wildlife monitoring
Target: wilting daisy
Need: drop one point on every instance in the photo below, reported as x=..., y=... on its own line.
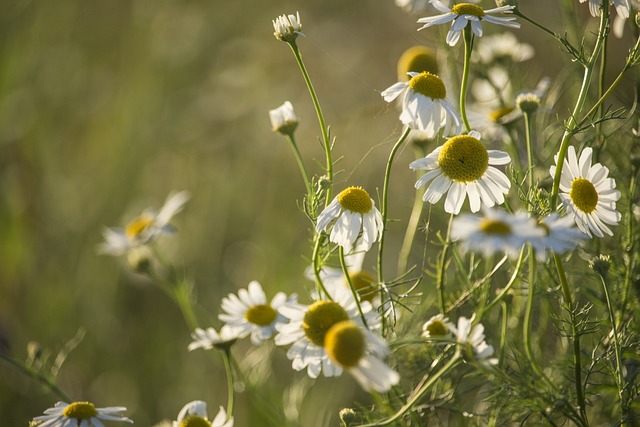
x=210, y=338
x=587, y=193
x=284, y=119
x=463, y=167
x=438, y=326
x=463, y=13
x=249, y=313
x=80, y=414
x=472, y=336
x=194, y=414
x=622, y=7
x=287, y=27
x=354, y=220
x=495, y=231
x=145, y=228
x=560, y=236
x=424, y=104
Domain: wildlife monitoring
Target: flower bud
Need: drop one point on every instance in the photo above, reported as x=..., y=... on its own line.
x=601, y=264
x=528, y=102
x=284, y=119
x=347, y=416
x=287, y=27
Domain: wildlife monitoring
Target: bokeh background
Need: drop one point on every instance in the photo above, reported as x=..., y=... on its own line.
x=108, y=106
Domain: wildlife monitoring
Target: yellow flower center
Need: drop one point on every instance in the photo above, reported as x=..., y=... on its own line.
x=355, y=199
x=319, y=318
x=436, y=328
x=584, y=195
x=364, y=284
x=463, y=158
x=138, y=225
x=345, y=344
x=80, y=411
x=417, y=59
x=428, y=84
x=195, y=421
x=499, y=113
x=467, y=9
x=492, y=226
x=261, y=315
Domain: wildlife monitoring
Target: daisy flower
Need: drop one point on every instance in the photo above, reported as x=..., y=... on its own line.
x=438, y=326
x=194, y=414
x=248, y=313
x=287, y=27
x=622, y=7
x=502, y=47
x=284, y=119
x=334, y=279
x=210, y=338
x=587, y=193
x=353, y=219
x=80, y=414
x=463, y=13
x=424, y=104
x=619, y=22
x=495, y=231
x=145, y=228
x=463, y=167
x=559, y=237
x=472, y=336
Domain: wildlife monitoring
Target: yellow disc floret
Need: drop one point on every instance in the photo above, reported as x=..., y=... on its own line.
x=417, y=59
x=428, y=84
x=491, y=226
x=436, y=328
x=80, y=411
x=463, y=158
x=319, y=318
x=355, y=199
x=364, y=284
x=345, y=343
x=195, y=421
x=467, y=9
x=261, y=315
x=584, y=195
x=136, y=227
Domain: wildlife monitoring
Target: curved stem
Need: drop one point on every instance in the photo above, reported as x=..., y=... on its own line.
x=303, y=171
x=441, y=263
x=354, y=292
x=468, y=45
x=226, y=355
x=316, y=266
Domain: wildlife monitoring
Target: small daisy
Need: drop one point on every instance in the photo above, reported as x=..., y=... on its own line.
x=287, y=27
x=145, y=228
x=470, y=335
x=353, y=218
x=437, y=327
x=463, y=167
x=622, y=7
x=80, y=414
x=587, y=193
x=424, y=104
x=309, y=324
x=210, y=338
x=463, y=13
x=495, y=231
x=559, y=237
x=194, y=414
x=284, y=119
x=250, y=314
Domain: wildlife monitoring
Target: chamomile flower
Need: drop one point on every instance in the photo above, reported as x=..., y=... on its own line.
x=145, y=228
x=284, y=119
x=287, y=27
x=587, y=193
x=80, y=414
x=495, y=231
x=472, y=337
x=354, y=220
x=622, y=7
x=249, y=313
x=194, y=414
x=463, y=13
x=463, y=167
x=437, y=327
x=308, y=327
x=425, y=106
x=560, y=236
x=335, y=280
x=503, y=48
x=210, y=338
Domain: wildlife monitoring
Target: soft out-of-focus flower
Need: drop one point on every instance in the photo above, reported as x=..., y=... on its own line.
x=195, y=414
x=587, y=193
x=417, y=59
x=249, y=313
x=354, y=220
x=210, y=338
x=80, y=414
x=425, y=106
x=621, y=6
x=560, y=236
x=284, y=119
x=495, y=231
x=464, y=13
x=468, y=334
x=437, y=326
x=463, y=167
x=145, y=228
x=502, y=47
x=619, y=22
x=287, y=27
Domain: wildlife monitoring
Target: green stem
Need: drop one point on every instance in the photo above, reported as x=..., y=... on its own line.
x=316, y=266
x=303, y=171
x=37, y=376
x=354, y=292
x=440, y=274
x=526, y=326
x=630, y=244
x=468, y=45
x=527, y=134
x=507, y=287
x=323, y=127
x=226, y=355
x=536, y=24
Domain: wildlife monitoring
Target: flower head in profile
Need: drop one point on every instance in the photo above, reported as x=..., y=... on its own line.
x=145, y=228
x=463, y=167
x=354, y=220
x=425, y=106
x=287, y=27
x=587, y=193
x=249, y=313
x=210, y=338
x=621, y=6
x=495, y=231
x=80, y=414
x=472, y=337
x=194, y=414
x=464, y=13
x=437, y=327
x=284, y=119
x=560, y=236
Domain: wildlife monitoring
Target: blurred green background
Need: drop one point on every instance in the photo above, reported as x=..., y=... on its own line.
x=106, y=107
